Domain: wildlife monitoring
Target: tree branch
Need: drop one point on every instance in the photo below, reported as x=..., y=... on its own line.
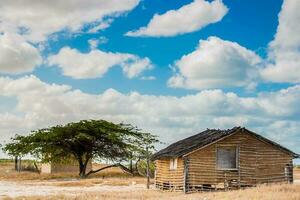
x=98, y=170
x=125, y=169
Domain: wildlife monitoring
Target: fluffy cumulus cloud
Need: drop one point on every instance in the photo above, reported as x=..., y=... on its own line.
x=38, y=19
x=38, y=104
x=26, y=24
x=189, y=18
x=17, y=55
x=284, y=51
x=96, y=63
x=216, y=63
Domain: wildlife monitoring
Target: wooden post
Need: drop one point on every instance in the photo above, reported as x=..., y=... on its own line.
x=185, y=175
x=148, y=170
x=239, y=166
x=225, y=181
x=290, y=172
x=155, y=177
x=19, y=164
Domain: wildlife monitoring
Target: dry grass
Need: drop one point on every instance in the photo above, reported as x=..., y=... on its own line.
x=7, y=172
x=115, y=177
x=297, y=173
x=278, y=192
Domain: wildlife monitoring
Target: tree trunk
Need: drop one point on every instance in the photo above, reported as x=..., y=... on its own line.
x=16, y=163
x=137, y=166
x=131, y=166
x=81, y=168
x=36, y=167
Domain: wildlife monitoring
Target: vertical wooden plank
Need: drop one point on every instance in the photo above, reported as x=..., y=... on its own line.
x=291, y=172
x=20, y=164
x=155, y=163
x=238, y=163
x=185, y=175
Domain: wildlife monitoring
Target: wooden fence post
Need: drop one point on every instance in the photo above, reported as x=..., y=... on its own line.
x=19, y=164
x=185, y=176
x=148, y=170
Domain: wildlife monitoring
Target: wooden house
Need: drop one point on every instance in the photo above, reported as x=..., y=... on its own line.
x=222, y=159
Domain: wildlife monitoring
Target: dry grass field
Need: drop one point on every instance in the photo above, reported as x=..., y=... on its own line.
x=8, y=173
x=114, y=184
x=297, y=173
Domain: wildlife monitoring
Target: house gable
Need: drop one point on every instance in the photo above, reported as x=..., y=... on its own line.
x=252, y=134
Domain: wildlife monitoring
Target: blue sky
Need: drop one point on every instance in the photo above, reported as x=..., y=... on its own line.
x=246, y=23
x=171, y=67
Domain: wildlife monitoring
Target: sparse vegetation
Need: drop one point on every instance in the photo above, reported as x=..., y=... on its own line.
x=8, y=173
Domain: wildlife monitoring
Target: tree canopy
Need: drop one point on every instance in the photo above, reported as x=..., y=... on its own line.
x=84, y=140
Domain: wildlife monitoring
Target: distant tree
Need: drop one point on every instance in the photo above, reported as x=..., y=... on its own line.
x=84, y=140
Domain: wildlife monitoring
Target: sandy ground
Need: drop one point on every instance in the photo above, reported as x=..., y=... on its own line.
x=16, y=189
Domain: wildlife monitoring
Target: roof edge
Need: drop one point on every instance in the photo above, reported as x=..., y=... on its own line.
x=220, y=139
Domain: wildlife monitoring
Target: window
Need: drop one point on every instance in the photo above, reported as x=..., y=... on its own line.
x=227, y=158
x=173, y=163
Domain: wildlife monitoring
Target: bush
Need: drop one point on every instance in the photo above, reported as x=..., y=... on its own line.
x=142, y=168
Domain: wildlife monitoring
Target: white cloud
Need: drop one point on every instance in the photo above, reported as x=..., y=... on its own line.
x=93, y=43
x=96, y=63
x=148, y=78
x=39, y=19
x=40, y=104
x=216, y=63
x=284, y=51
x=100, y=26
x=26, y=24
x=189, y=18
x=17, y=55
x=135, y=66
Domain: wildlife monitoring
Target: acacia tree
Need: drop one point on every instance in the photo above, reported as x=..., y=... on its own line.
x=83, y=140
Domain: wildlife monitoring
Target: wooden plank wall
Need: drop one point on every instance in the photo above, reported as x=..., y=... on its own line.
x=202, y=168
x=258, y=162
x=271, y=165
x=168, y=179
